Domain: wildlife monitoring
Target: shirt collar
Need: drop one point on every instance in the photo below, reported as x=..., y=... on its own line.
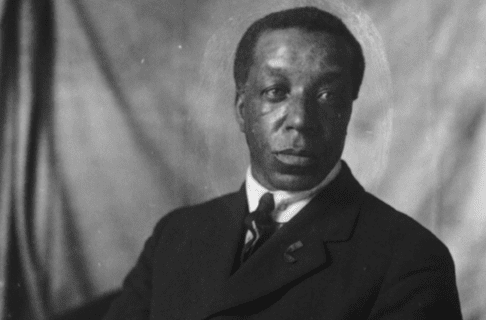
x=254, y=190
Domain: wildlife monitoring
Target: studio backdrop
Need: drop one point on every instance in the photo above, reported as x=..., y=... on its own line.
x=114, y=112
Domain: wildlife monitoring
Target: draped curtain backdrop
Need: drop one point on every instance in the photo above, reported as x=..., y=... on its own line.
x=113, y=112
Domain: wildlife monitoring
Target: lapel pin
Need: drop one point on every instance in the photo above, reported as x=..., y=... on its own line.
x=293, y=247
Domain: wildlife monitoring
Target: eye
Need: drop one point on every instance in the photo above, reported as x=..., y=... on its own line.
x=275, y=94
x=328, y=96
x=325, y=96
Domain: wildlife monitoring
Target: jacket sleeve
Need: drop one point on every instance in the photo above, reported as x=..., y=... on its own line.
x=133, y=303
x=420, y=283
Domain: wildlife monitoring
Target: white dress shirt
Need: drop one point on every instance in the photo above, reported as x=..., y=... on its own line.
x=287, y=203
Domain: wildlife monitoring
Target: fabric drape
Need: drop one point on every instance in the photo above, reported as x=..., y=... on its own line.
x=114, y=112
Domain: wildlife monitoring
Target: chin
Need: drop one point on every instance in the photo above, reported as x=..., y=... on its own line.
x=292, y=182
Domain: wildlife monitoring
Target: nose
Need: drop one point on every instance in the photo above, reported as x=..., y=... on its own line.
x=301, y=115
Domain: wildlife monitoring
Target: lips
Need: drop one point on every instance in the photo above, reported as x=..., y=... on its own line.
x=293, y=157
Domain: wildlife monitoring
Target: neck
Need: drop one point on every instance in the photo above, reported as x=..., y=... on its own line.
x=284, y=198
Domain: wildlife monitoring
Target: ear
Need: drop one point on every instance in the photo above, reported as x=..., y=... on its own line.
x=240, y=110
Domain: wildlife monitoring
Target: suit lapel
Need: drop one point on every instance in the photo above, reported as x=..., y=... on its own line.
x=294, y=251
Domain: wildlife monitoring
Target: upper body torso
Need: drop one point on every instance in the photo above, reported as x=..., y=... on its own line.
x=359, y=259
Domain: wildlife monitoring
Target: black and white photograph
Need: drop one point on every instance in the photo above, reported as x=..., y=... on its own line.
x=242, y=159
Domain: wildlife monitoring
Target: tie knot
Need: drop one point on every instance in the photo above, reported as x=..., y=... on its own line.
x=266, y=204
x=262, y=215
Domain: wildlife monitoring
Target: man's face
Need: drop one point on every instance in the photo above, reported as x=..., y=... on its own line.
x=296, y=107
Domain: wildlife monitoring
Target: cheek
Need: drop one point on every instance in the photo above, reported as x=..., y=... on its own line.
x=262, y=134
x=257, y=133
x=264, y=122
x=335, y=119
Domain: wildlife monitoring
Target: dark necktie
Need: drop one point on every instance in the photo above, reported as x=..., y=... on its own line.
x=261, y=225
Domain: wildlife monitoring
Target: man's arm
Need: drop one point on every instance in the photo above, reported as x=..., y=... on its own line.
x=420, y=284
x=134, y=300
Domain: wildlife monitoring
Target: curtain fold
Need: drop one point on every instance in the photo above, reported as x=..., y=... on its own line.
x=28, y=184
x=9, y=73
x=114, y=112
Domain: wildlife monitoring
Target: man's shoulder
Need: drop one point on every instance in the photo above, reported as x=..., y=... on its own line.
x=416, y=266
x=401, y=232
x=208, y=206
x=195, y=214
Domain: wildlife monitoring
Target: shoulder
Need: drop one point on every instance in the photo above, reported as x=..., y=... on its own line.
x=407, y=242
x=191, y=216
x=418, y=278
x=392, y=222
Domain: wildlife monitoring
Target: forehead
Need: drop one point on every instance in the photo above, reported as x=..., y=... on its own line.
x=296, y=49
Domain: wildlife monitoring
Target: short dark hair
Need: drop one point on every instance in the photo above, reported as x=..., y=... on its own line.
x=308, y=19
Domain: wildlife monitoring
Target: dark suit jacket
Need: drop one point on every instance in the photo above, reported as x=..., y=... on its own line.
x=360, y=259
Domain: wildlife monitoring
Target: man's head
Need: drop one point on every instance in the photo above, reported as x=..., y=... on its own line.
x=297, y=73
x=305, y=18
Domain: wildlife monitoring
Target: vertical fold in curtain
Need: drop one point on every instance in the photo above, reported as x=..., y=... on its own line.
x=28, y=184
x=8, y=98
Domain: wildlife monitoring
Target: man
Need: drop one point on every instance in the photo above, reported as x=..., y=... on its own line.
x=301, y=239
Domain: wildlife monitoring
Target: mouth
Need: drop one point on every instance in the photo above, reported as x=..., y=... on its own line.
x=300, y=158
